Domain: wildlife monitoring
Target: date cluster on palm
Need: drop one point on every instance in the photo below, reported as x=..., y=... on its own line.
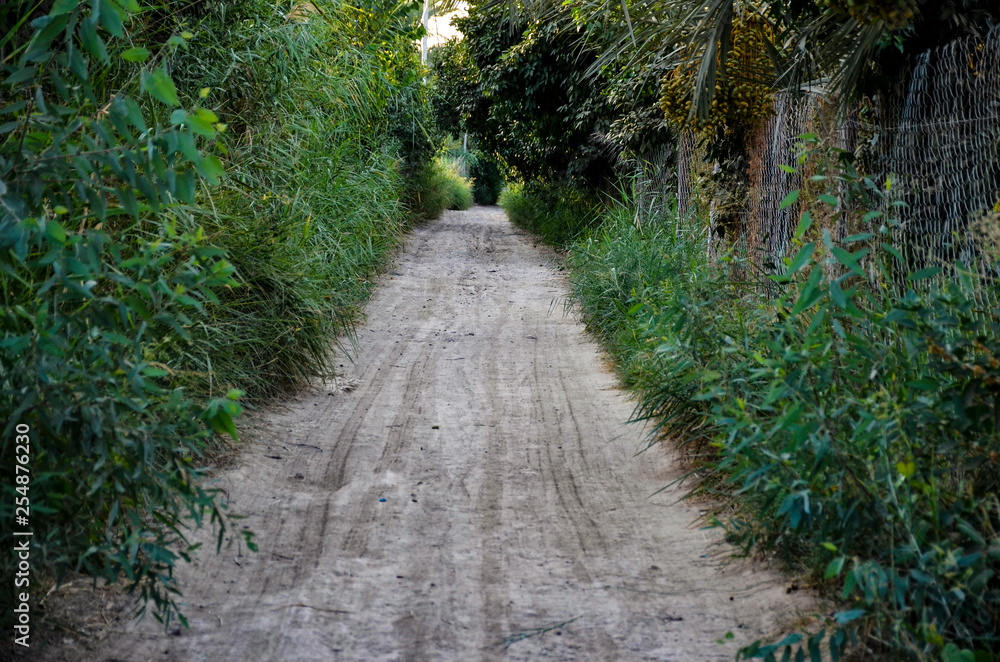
x=741, y=95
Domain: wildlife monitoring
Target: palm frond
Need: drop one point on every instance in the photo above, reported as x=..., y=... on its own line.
x=829, y=52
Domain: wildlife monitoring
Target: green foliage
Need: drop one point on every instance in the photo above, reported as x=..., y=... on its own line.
x=849, y=48
x=487, y=180
x=459, y=193
x=851, y=418
x=629, y=71
x=558, y=215
x=862, y=433
x=862, y=438
x=456, y=84
x=441, y=187
x=142, y=286
x=116, y=443
x=623, y=274
x=88, y=312
x=526, y=96
x=313, y=203
x=530, y=95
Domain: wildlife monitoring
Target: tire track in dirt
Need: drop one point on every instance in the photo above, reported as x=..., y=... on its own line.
x=513, y=498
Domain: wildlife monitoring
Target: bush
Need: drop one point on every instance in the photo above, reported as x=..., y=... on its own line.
x=863, y=436
x=621, y=274
x=440, y=187
x=312, y=204
x=116, y=443
x=657, y=304
x=855, y=423
x=558, y=214
x=93, y=313
x=459, y=189
x=487, y=180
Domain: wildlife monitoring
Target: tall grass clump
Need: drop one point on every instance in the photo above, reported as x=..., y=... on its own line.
x=314, y=201
x=656, y=302
x=623, y=273
x=558, y=214
x=193, y=200
x=441, y=186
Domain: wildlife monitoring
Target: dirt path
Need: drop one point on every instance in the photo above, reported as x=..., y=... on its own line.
x=476, y=487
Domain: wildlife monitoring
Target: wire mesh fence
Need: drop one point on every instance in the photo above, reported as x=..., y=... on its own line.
x=942, y=158
x=934, y=145
x=652, y=184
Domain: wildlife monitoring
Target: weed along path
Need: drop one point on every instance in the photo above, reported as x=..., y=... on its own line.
x=474, y=496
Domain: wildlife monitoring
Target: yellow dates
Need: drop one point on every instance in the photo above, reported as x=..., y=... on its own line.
x=742, y=95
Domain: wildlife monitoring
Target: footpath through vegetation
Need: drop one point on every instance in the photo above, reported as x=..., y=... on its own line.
x=465, y=490
x=782, y=220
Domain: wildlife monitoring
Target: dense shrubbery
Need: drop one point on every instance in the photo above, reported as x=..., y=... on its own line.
x=852, y=417
x=622, y=278
x=442, y=187
x=556, y=214
x=859, y=426
x=141, y=287
x=312, y=201
x=487, y=180
x=523, y=91
x=115, y=438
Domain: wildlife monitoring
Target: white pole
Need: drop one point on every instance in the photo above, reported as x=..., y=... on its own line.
x=423, y=44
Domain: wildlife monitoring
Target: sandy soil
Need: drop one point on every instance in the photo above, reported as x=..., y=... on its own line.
x=475, y=496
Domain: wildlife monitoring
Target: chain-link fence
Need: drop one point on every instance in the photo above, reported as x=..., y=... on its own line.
x=935, y=145
x=942, y=157
x=651, y=185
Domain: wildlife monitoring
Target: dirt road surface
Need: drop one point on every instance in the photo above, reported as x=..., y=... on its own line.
x=475, y=496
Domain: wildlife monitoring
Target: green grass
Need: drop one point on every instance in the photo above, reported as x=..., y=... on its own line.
x=623, y=281
x=621, y=273
x=440, y=186
x=558, y=214
x=309, y=210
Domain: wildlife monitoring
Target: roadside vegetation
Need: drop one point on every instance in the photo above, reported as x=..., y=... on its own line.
x=850, y=419
x=842, y=400
x=194, y=198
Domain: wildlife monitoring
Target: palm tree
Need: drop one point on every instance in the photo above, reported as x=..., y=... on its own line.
x=822, y=46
